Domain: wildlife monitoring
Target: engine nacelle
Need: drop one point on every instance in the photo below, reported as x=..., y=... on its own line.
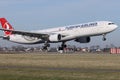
x=55, y=37
x=83, y=40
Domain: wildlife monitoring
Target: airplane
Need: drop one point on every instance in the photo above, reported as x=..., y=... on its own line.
x=81, y=33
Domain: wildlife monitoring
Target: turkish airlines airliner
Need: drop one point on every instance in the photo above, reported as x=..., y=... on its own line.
x=79, y=32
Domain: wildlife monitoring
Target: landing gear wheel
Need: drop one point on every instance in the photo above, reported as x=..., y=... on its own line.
x=46, y=45
x=44, y=48
x=63, y=45
x=104, y=39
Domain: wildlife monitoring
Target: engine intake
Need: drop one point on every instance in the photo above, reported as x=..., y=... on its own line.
x=83, y=40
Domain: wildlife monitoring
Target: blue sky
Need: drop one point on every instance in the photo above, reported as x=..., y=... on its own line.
x=41, y=14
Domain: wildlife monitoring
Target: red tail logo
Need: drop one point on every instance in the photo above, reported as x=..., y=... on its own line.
x=6, y=25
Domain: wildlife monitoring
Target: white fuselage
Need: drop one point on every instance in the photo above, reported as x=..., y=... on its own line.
x=71, y=32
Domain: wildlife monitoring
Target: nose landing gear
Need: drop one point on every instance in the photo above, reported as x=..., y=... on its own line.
x=104, y=37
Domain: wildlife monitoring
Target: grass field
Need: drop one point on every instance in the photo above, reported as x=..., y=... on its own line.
x=59, y=67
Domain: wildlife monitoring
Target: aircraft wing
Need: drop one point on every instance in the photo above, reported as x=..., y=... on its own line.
x=31, y=34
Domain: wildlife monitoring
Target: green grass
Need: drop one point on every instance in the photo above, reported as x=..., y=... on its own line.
x=59, y=67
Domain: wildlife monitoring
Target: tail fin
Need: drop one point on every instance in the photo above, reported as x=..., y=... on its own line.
x=7, y=26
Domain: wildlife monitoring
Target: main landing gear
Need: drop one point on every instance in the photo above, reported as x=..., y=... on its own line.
x=63, y=46
x=104, y=37
x=46, y=45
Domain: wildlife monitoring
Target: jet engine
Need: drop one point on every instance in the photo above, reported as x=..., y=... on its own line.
x=83, y=39
x=55, y=37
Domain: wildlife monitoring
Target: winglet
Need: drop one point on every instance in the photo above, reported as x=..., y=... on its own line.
x=6, y=26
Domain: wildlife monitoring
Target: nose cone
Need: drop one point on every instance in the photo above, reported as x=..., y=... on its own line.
x=114, y=27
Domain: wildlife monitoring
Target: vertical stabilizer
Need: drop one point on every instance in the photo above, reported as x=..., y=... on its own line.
x=6, y=25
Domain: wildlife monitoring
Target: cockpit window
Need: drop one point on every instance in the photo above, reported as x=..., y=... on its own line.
x=111, y=23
